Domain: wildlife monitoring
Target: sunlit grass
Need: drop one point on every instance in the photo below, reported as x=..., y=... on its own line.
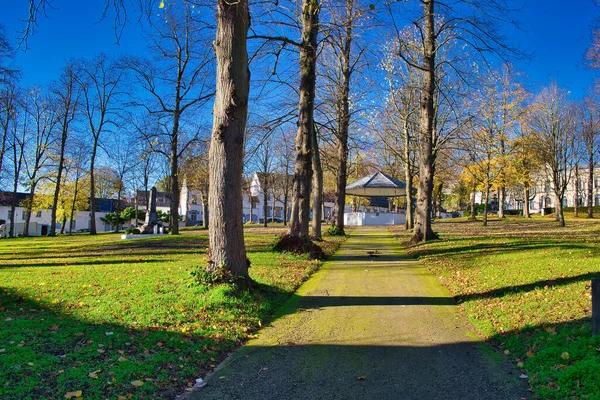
x=94, y=313
x=525, y=286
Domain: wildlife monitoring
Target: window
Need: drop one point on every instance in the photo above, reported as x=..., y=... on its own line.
x=580, y=201
x=194, y=199
x=548, y=187
x=597, y=200
x=106, y=205
x=596, y=182
x=194, y=215
x=38, y=214
x=547, y=202
x=24, y=216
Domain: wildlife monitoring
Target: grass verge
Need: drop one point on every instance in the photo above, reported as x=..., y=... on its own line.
x=525, y=286
x=118, y=319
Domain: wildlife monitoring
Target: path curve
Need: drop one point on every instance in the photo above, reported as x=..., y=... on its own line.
x=366, y=326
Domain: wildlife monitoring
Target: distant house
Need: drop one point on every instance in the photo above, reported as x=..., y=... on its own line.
x=39, y=224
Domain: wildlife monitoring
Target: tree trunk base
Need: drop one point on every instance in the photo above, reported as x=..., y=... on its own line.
x=295, y=245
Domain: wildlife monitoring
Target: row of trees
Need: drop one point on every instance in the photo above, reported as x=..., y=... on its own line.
x=435, y=109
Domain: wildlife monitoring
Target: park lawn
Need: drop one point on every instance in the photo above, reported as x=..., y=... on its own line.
x=115, y=318
x=525, y=286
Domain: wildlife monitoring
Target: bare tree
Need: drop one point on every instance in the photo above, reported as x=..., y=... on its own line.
x=301, y=186
x=177, y=81
x=18, y=141
x=590, y=133
x=43, y=117
x=66, y=96
x=100, y=82
x=552, y=121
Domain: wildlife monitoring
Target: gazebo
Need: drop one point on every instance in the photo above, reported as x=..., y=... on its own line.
x=375, y=185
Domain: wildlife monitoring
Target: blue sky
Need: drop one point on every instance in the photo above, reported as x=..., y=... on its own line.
x=556, y=33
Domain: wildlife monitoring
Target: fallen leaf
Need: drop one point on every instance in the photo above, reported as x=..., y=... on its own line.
x=520, y=364
x=361, y=378
x=121, y=359
x=564, y=355
x=137, y=383
x=76, y=394
x=507, y=352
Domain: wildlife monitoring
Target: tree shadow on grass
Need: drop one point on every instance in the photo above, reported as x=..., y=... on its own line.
x=47, y=352
x=528, y=287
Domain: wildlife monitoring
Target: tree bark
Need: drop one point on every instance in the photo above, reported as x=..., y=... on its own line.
x=560, y=217
x=317, y=189
x=344, y=123
x=61, y=162
x=28, y=209
x=577, y=180
x=409, y=223
x=226, y=154
x=265, y=206
x=93, y=188
x=526, y=202
x=302, y=181
x=590, y=186
x=485, y=205
x=174, y=180
x=423, y=231
x=473, y=207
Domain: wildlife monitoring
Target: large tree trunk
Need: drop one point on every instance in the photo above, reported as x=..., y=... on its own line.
x=28, y=209
x=302, y=182
x=423, y=231
x=344, y=122
x=226, y=154
x=485, y=205
x=174, y=179
x=577, y=180
x=285, y=207
x=501, y=196
x=265, y=206
x=560, y=216
x=317, y=189
x=590, y=186
x=409, y=224
x=526, y=202
x=473, y=207
x=61, y=161
x=205, y=209
x=93, y=189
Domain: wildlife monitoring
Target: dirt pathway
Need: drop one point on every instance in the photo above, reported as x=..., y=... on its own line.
x=367, y=326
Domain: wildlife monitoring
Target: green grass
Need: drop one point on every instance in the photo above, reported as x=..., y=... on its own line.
x=525, y=286
x=96, y=313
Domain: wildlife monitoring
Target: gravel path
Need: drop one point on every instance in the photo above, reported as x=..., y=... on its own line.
x=367, y=326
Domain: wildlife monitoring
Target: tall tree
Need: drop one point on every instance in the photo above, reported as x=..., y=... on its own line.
x=590, y=132
x=66, y=96
x=302, y=181
x=100, y=82
x=226, y=154
x=552, y=121
x=177, y=81
x=43, y=119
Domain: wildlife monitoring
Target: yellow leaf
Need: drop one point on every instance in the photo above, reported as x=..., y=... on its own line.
x=121, y=359
x=161, y=5
x=507, y=352
x=565, y=356
x=76, y=394
x=159, y=344
x=530, y=353
x=137, y=383
x=520, y=364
